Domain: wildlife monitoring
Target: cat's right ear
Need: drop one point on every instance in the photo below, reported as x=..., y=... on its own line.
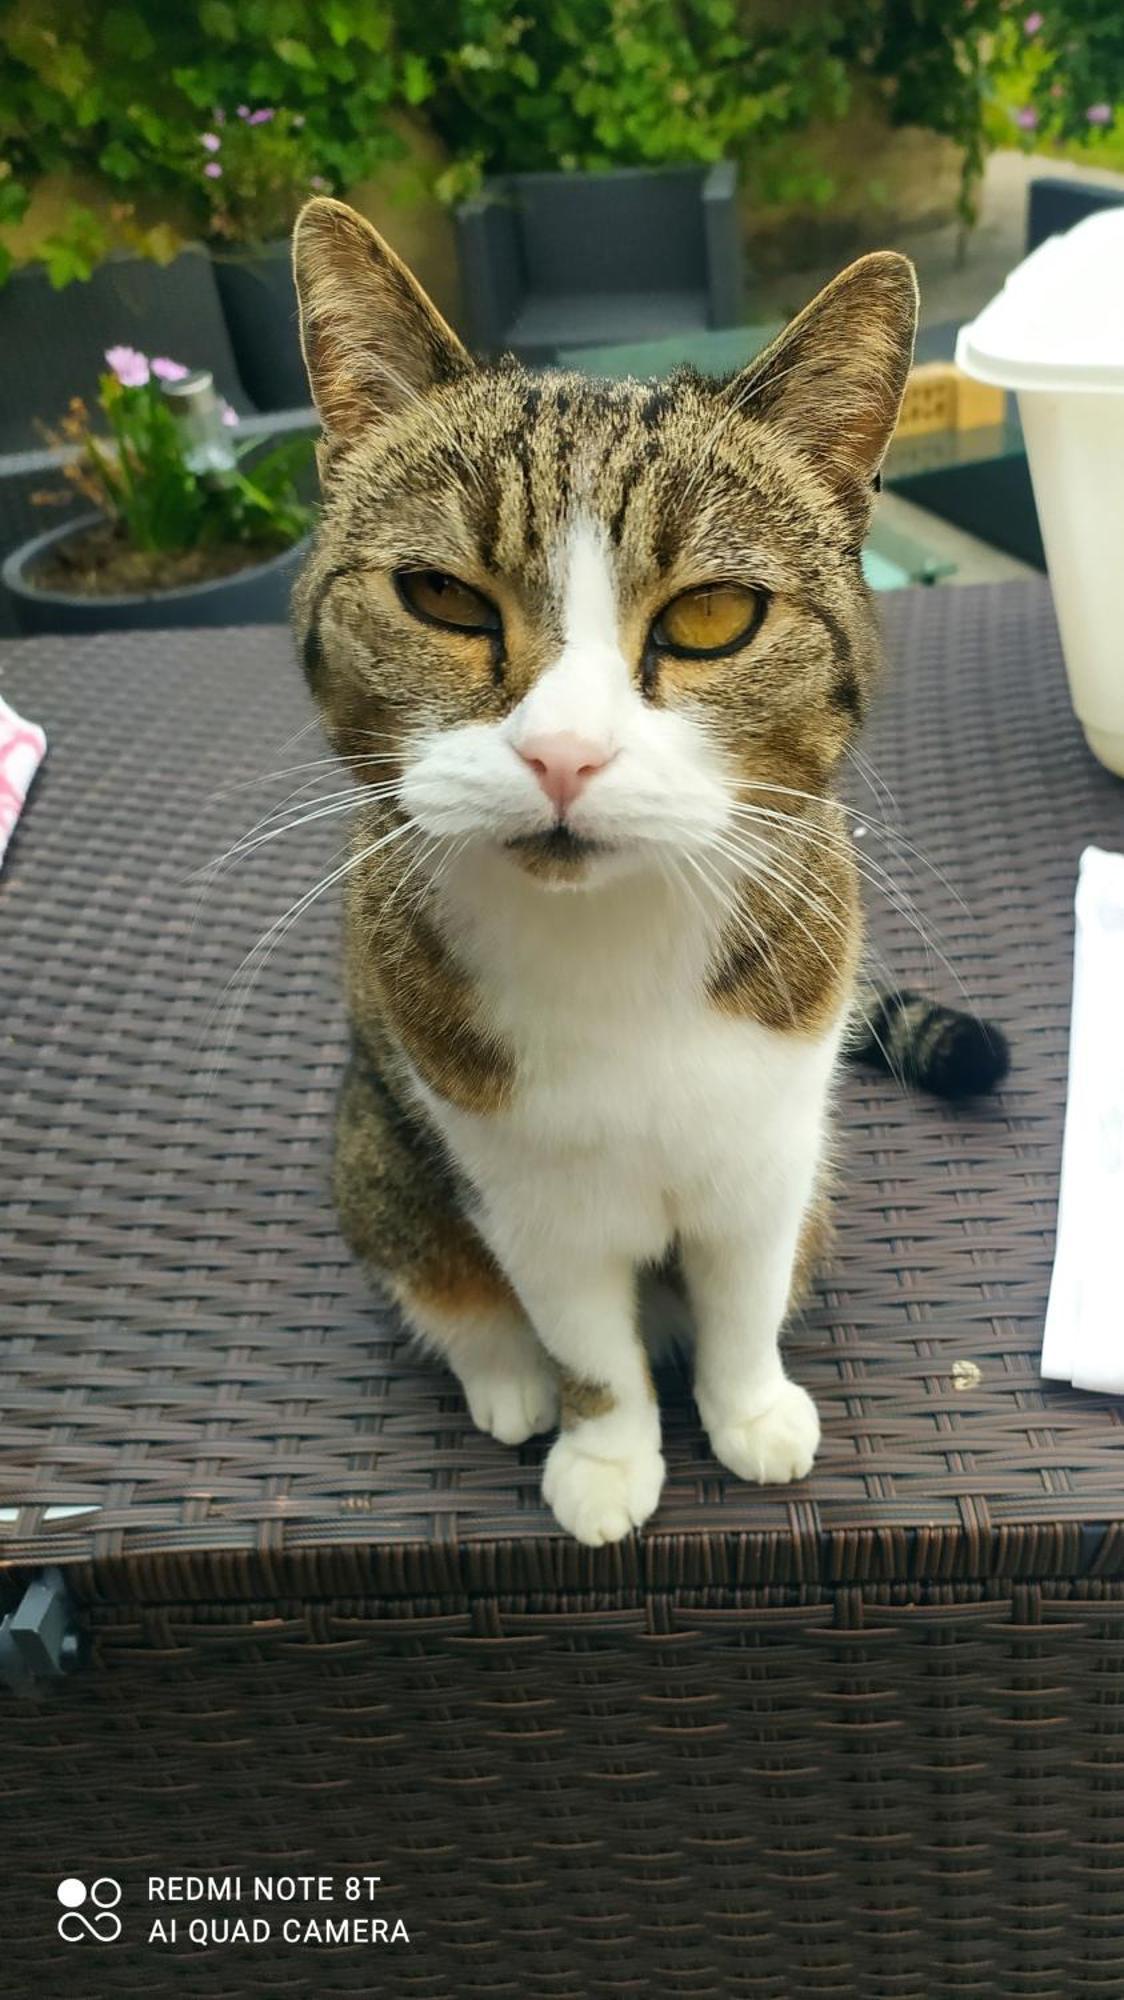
x=833, y=381
x=372, y=340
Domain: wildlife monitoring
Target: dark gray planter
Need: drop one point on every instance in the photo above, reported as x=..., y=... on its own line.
x=257, y=596
x=259, y=304
x=556, y=260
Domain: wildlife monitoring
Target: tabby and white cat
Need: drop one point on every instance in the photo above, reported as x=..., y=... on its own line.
x=596, y=651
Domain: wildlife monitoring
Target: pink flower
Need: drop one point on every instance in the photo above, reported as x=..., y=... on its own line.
x=1099, y=114
x=1026, y=119
x=260, y=117
x=210, y=141
x=213, y=170
x=168, y=371
x=1033, y=23
x=319, y=183
x=229, y=415
x=243, y=111
x=129, y=366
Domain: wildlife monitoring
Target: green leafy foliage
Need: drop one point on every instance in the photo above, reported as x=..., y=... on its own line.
x=602, y=83
x=990, y=72
x=13, y=207
x=13, y=199
x=125, y=88
x=128, y=89
x=76, y=248
x=124, y=92
x=1062, y=80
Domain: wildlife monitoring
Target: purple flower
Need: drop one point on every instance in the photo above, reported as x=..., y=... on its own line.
x=210, y=141
x=168, y=371
x=319, y=183
x=213, y=170
x=261, y=117
x=129, y=366
x=1026, y=120
x=1033, y=23
x=1099, y=114
x=243, y=111
x=229, y=415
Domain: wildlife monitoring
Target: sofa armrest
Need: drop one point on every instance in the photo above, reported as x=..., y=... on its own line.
x=270, y=425
x=490, y=268
x=722, y=232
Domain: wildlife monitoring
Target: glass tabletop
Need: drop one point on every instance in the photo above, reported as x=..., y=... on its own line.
x=935, y=450
x=717, y=351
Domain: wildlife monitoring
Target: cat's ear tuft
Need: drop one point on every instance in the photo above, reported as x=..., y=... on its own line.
x=833, y=380
x=372, y=340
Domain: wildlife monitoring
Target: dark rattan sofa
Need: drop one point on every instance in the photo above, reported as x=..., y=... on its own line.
x=861, y=1737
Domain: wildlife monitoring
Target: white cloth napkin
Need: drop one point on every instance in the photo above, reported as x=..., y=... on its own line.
x=1084, y=1337
x=22, y=747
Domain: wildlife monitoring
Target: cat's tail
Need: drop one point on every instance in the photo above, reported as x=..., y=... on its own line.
x=924, y=1043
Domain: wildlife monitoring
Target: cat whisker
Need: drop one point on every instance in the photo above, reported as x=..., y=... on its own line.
x=856, y=1005
x=246, y=975
x=872, y=778
x=313, y=764
x=886, y=887
x=326, y=808
x=763, y=850
x=877, y=826
x=445, y=863
x=745, y=923
x=408, y=917
x=872, y=871
x=881, y=881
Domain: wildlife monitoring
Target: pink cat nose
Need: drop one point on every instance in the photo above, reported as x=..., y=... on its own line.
x=563, y=764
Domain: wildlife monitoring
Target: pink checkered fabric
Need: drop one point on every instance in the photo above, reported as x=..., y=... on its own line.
x=22, y=746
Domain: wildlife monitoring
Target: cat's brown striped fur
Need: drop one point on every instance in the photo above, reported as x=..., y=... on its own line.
x=499, y=478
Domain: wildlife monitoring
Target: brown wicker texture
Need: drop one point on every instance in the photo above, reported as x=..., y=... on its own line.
x=858, y=1738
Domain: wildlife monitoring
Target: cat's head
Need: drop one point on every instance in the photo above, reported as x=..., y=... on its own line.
x=586, y=620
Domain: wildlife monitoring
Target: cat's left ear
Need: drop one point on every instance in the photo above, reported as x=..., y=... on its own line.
x=833, y=381
x=372, y=340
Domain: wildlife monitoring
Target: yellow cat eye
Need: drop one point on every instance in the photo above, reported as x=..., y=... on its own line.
x=444, y=600
x=713, y=619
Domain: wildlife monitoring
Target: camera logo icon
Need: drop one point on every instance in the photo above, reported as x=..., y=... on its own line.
x=89, y=1912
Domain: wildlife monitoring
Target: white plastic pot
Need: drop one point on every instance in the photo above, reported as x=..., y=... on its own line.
x=1055, y=334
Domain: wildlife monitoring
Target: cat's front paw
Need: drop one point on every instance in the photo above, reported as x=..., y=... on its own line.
x=601, y=1500
x=513, y=1402
x=775, y=1446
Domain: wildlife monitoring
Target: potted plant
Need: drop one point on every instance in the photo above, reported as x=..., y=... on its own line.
x=593, y=157
x=256, y=169
x=181, y=531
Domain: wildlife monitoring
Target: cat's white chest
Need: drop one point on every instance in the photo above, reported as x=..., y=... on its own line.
x=640, y=1110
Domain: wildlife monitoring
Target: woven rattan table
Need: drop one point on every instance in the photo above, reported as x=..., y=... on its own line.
x=861, y=1737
